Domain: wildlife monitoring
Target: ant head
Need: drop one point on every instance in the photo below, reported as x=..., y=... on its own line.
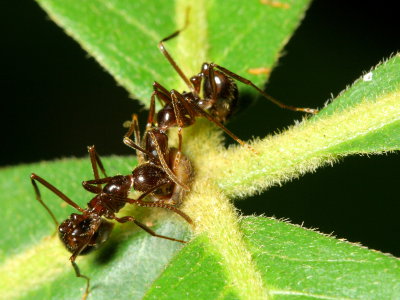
x=216, y=85
x=166, y=117
x=147, y=176
x=161, y=138
x=83, y=234
x=220, y=93
x=177, y=109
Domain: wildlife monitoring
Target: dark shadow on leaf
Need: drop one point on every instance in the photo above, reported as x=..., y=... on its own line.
x=120, y=234
x=107, y=252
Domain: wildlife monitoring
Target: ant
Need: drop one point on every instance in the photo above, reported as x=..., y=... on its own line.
x=165, y=172
x=85, y=231
x=213, y=94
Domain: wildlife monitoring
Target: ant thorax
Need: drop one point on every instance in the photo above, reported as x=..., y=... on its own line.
x=105, y=204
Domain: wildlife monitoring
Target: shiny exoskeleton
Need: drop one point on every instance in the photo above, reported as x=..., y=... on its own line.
x=212, y=94
x=84, y=231
x=165, y=173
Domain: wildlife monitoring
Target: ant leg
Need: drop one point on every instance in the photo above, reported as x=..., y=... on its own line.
x=177, y=99
x=162, y=93
x=163, y=97
x=268, y=97
x=152, y=111
x=134, y=129
x=164, y=164
x=178, y=157
x=161, y=204
x=169, y=57
x=200, y=111
x=39, y=198
x=145, y=194
x=196, y=81
x=131, y=144
x=56, y=191
x=78, y=251
x=79, y=274
x=211, y=80
x=94, y=186
x=96, y=163
x=145, y=228
x=192, y=109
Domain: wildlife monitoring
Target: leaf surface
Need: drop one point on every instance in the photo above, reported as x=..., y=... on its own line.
x=226, y=259
x=363, y=119
x=295, y=263
x=34, y=264
x=122, y=36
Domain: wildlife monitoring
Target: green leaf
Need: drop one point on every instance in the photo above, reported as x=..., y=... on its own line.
x=295, y=263
x=380, y=84
x=34, y=264
x=365, y=118
x=123, y=36
x=290, y=260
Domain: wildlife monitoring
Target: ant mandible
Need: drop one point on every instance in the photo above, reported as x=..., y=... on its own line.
x=82, y=233
x=213, y=94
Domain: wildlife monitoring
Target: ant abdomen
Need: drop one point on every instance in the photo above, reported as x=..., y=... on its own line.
x=183, y=170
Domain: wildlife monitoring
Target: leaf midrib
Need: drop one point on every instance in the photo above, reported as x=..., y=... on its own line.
x=237, y=264
x=325, y=135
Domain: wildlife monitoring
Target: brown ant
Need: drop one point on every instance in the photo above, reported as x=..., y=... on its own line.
x=84, y=232
x=165, y=172
x=212, y=94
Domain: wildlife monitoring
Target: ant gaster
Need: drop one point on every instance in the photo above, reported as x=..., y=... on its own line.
x=165, y=173
x=84, y=231
x=213, y=94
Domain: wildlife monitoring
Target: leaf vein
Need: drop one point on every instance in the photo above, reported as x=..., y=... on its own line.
x=131, y=21
x=298, y=293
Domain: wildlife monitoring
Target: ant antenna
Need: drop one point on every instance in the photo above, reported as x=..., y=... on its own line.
x=169, y=57
x=268, y=97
